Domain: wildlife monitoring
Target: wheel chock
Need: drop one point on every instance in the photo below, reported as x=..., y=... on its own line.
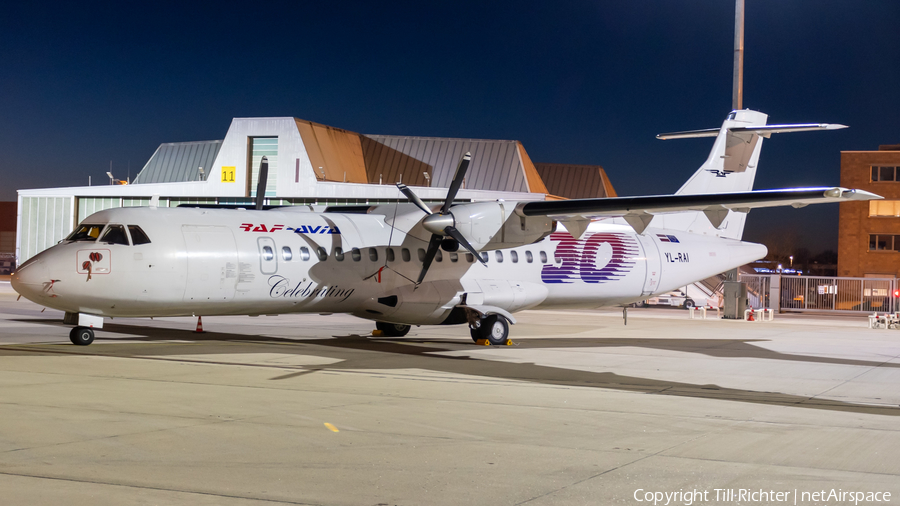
x=377, y=333
x=485, y=342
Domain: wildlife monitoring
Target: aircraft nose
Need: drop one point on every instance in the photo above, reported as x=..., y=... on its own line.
x=30, y=278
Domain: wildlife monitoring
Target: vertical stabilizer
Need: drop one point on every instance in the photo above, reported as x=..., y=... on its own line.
x=730, y=167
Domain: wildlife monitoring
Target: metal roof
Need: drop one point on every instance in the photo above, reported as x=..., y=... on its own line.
x=178, y=161
x=496, y=164
x=575, y=181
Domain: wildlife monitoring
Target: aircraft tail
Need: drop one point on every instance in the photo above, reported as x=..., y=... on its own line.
x=730, y=167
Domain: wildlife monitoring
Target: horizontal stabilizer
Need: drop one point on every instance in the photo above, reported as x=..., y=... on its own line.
x=763, y=130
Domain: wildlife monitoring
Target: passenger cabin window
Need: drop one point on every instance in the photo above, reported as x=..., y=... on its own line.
x=440, y=255
x=355, y=254
x=404, y=254
x=514, y=256
x=373, y=254
x=339, y=254
x=454, y=257
x=304, y=253
x=543, y=257
x=286, y=253
x=321, y=253
x=499, y=255
x=421, y=254
x=115, y=234
x=529, y=257
x=267, y=253
x=137, y=235
x=390, y=254
x=86, y=233
x=470, y=257
x=484, y=256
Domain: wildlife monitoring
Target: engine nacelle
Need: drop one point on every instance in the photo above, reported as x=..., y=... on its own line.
x=496, y=225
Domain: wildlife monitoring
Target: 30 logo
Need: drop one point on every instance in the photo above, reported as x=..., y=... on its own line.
x=579, y=258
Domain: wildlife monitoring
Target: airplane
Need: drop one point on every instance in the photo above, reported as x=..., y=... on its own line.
x=403, y=264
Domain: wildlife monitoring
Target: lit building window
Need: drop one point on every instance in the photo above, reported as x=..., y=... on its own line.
x=886, y=208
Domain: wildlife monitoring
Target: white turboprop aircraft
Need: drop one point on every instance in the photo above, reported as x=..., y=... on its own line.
x=401, y=265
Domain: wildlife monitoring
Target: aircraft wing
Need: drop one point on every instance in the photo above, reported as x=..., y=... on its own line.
x=638, y=211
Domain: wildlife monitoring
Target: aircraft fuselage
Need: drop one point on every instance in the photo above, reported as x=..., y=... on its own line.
x=226, y=262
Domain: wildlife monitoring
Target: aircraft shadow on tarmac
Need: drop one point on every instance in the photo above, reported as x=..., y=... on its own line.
x=360, y=353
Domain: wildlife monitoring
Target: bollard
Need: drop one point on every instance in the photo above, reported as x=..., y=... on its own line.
x=691, y=312
x=703, y=312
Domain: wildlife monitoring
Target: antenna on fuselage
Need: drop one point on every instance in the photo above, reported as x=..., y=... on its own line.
x=261, y=184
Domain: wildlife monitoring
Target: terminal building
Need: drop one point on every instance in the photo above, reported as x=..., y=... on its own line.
x=309, y=164
x=869, y=232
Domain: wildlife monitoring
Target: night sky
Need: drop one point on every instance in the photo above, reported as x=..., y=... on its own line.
x=84, y=83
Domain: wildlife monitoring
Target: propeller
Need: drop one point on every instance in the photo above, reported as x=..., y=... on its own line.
x=441, y=224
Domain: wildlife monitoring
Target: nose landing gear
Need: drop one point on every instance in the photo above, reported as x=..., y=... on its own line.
x=83, y=333
x=81, y=336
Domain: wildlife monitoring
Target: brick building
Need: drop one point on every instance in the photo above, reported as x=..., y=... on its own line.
x=869, y=234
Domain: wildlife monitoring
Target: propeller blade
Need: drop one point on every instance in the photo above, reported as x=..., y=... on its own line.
x=433, y=246
x=413, y=198
x=454, y=233
x=457, y=182
x=261, y=184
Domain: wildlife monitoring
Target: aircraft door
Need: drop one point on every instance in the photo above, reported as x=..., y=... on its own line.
x=211, y=263
x=654, y=266
x=268, y=260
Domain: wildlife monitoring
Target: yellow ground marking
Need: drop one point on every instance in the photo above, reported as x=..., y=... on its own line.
x=332, y=428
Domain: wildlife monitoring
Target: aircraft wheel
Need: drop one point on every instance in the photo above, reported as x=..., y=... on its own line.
x=688, y=304
x=81, y=336
x=392, y=329
x=495, y=329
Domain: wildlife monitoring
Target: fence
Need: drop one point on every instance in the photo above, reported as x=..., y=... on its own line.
x=823, y=294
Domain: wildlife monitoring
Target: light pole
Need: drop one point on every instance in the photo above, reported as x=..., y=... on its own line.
x=792, y=261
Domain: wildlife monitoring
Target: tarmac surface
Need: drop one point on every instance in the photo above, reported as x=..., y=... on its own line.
x=580, y=410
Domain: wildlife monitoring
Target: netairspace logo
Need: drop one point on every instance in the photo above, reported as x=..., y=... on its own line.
x=746, y=495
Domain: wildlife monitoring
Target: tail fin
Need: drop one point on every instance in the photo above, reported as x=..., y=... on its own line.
x=730, y=167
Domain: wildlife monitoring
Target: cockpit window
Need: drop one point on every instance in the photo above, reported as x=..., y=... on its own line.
x=86, y=233
x=137, y=235
x=115, y=234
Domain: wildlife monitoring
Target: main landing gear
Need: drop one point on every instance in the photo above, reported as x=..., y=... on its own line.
x=392, y=329
x=81, y=336
x=493, y=327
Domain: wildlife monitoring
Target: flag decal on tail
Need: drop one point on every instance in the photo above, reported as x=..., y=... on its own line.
x=667, y=238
